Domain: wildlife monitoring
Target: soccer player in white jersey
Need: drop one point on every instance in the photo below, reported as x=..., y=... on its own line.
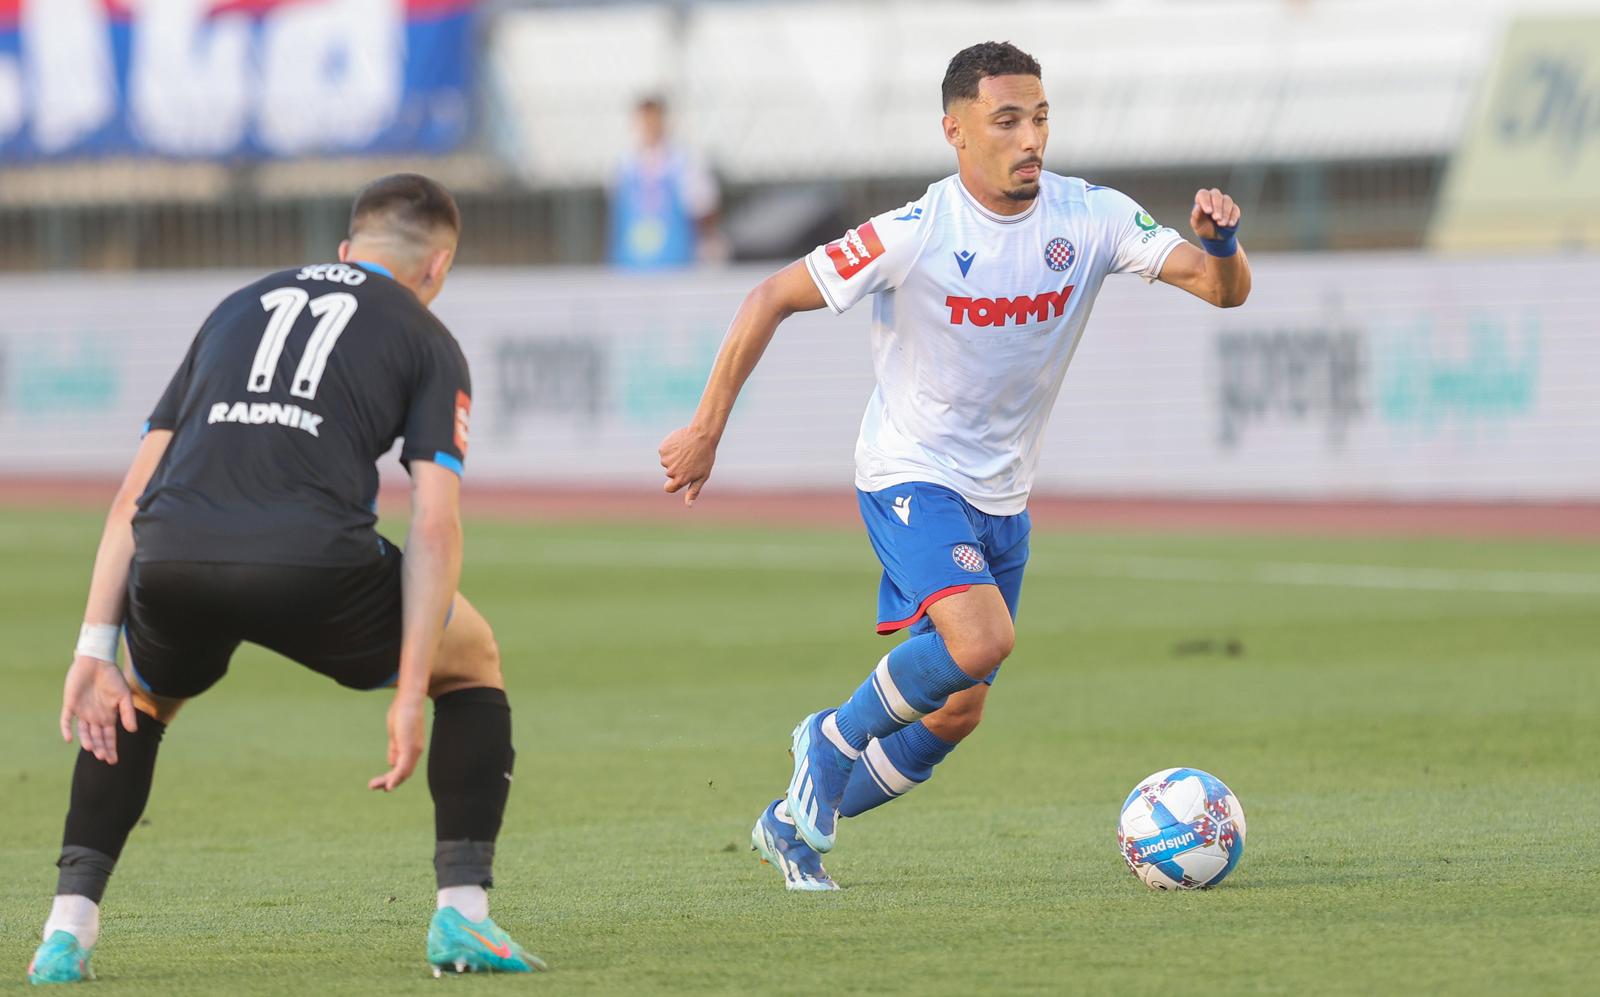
x=981, y=289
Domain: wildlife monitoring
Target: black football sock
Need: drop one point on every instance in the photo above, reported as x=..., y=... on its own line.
x=106, y=803
x=469, y=775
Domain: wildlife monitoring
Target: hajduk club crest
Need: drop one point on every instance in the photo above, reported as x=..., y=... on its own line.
x=1059, y=254
x=968, y=558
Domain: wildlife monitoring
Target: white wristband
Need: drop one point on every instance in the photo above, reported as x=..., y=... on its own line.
x=98, y=640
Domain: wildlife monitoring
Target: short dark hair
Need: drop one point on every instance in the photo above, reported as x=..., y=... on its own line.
x=973, y=64
x=651, y=102
x=410, y=202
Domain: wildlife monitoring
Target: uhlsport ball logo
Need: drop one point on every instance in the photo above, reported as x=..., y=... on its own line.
x=1059, y=254
x=968, y=558
x=1181, y=829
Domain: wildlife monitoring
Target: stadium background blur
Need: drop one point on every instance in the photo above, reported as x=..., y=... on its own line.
x=1417, y=179
x=1289, y=525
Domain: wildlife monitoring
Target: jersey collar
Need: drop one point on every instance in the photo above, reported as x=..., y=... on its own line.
x=998, y=219
x=376, y=268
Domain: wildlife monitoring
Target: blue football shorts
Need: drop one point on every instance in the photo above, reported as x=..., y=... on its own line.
x=933, y=543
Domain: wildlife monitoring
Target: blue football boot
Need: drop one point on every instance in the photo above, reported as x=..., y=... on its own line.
x=821, y=772
x=778, y=843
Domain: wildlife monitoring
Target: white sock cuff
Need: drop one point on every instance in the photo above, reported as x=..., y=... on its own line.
x=77, y=915
x=830, y=729
x=472, y=901
x=889, y=695
x=883, y=772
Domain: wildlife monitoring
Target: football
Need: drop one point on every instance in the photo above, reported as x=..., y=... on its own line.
x=1181, y=829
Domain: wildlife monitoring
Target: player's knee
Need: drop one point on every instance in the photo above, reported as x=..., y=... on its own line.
x=492, y=658
x=468, y=660
x=959, y=718
x=1004, y=644
x=980, y=652
x=485, y=655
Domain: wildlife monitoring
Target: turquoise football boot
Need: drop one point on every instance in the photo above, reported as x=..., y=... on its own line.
x=465, y=946
x=60, y=960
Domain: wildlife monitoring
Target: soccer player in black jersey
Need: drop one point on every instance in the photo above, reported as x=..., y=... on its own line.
x=248, y=515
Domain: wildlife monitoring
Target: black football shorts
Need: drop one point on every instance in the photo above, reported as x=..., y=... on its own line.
x=185, y=618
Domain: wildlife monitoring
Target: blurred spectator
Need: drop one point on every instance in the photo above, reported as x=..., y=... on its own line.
x=664, y=202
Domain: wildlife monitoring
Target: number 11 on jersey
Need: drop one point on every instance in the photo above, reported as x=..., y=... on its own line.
x=284, y=304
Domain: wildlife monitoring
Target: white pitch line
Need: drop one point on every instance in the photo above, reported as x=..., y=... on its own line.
x=792, y=557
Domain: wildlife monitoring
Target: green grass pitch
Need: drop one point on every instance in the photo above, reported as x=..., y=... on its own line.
x=1412, y=726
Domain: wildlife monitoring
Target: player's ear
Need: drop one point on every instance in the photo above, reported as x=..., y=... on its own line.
x=344, y=251
x=438, y=266
x=952, y=132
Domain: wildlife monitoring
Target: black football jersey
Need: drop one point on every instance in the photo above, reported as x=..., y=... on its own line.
x=293, y=389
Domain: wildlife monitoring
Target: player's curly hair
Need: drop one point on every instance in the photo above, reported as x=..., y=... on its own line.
x=408, y=201
x=975, y=62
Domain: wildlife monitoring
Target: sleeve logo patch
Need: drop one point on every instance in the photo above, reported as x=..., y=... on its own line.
x=1144, y=221
x=463, y=420
x=851, y=254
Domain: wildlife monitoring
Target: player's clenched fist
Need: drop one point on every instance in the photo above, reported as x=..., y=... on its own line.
x=1213, y=210
x=687, y=455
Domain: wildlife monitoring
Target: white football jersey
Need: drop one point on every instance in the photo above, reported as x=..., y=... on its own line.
x=974, y=319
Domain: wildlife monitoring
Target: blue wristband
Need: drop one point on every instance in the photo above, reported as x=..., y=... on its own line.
x=1225, y=246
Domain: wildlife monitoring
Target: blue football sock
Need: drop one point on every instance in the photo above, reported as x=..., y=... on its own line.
x=892, y=767
x=910, y=682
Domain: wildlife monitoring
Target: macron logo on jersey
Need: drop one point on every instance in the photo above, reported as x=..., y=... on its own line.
x=999, y=311
x=851, y=254
x=264, y=413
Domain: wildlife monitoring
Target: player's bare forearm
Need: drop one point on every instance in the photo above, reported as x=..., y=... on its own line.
x=431, y=574
x=108, y=585
x=1228, y=279
x=788, y=291
x=687, y=454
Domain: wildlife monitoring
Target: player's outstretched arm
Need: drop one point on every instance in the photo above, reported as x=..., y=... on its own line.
x=431, y=573
x=687, y=454
x=1220, y=274
x=96, y=695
